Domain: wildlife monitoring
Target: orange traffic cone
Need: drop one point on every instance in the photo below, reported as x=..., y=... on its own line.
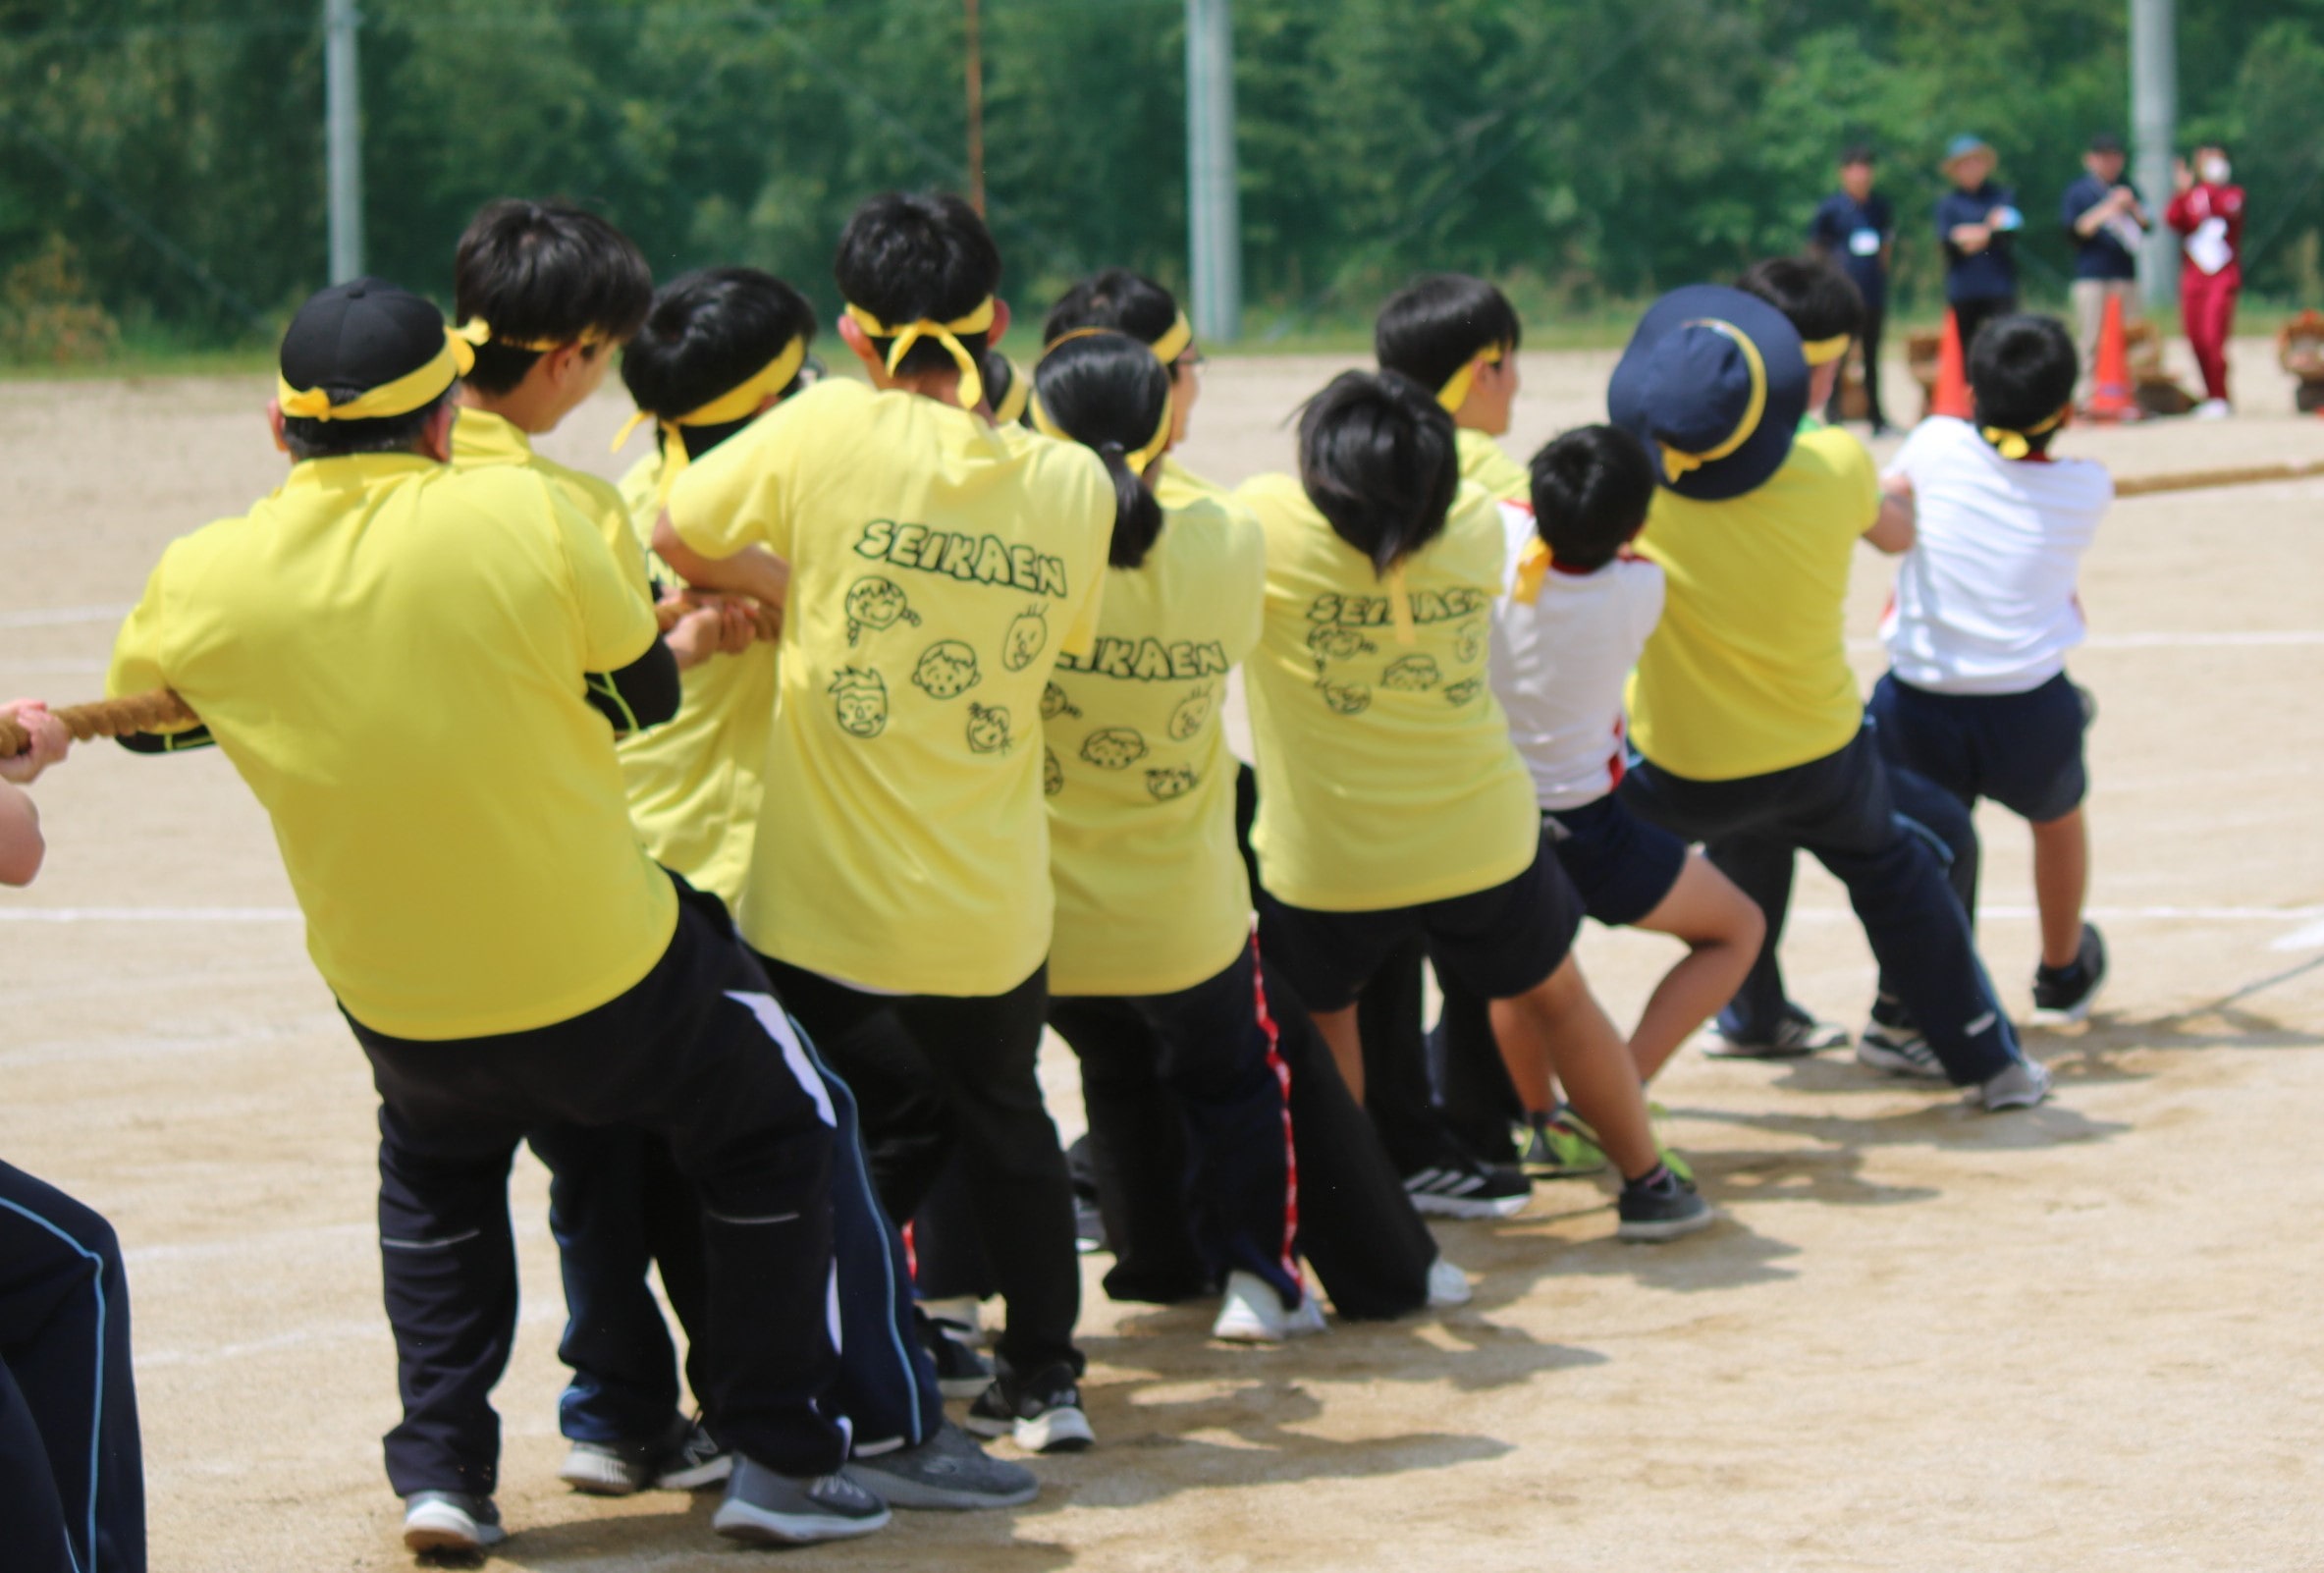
x=2112, y=398
x=1950, y=397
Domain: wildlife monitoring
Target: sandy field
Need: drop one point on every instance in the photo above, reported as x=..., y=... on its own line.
x=2076, y=1338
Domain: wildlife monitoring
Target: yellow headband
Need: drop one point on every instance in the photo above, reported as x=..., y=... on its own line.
x=478, y=332
x=1020, y=392
x=739, y=403
x=2014, y=444
x=1455, y=392
x=1677, y=462
x=1138, y=462
x=947, y=334
x=1166, y=348
x=411, y=391
x=1824, y=351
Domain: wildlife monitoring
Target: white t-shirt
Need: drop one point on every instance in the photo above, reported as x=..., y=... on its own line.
x=1985, y=598
x=1558, y=665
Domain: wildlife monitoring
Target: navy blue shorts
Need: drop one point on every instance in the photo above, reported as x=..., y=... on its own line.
x=1622, y=865
x=1499, y=942
x=2022, y=751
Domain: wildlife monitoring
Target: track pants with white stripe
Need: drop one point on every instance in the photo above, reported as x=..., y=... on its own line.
x=71, y=1481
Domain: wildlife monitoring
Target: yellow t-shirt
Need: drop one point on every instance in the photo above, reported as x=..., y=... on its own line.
x=1175, y=486
x=481, y=438
x=694, y=782
x=1485, y=461
x=937, y=567
x=392, y=653
x=1152, y=897
x=1387, y=776
x=1748, y=671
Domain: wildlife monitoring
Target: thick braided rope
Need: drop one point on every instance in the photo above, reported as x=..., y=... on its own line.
x=157, y=711
x=2192, y=480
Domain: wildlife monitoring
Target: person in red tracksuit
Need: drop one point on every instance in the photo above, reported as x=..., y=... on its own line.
x=2209, y=213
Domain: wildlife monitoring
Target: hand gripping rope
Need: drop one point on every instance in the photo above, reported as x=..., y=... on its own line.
x=157, y=711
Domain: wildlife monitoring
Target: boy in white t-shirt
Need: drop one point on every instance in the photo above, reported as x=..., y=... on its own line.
x=1977, y=696
x=1575, y=611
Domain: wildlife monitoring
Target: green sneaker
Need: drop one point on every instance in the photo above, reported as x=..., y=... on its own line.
x=1656, y=1115
x=1558, y=1146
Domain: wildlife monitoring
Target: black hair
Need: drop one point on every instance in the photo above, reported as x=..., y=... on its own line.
x=1820, y=300
x=1118, y=299
x=1592, y=488
x=1001, y=376
x=543, y=271
x=1439, y=323
x=707, y=333
x=1106, y=390
x=1857, y=153
x=308, y=438
x=2022, y=371
x=922, y=255
x=1376, y=459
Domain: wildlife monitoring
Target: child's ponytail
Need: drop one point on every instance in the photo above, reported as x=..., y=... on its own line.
x=1107, y=391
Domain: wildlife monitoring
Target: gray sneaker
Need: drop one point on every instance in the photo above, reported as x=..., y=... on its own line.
x=2024, y=1084
x=451, y=1521
x=1900, y=1050
x=764, y=1508
x=949, y=1473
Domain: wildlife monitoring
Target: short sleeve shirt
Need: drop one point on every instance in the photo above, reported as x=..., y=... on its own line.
x=480, y=438
x=1487, y=463
x=937, y=567
x=1387, y=776
x=1747, y=670
x=695, y=780
x=1853, y=233
x=1987, y=275
x=1152, y=894
x=2101, y=254
x=1175, y=486
x=393, y=653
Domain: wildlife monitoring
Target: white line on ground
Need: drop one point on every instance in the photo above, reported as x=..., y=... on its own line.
x=2191, y=639
x=54, y=665
x=52, y=617
x=148, y=914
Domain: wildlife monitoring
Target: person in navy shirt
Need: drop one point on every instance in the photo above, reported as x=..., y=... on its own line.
x=1856, y=228
x=1978, y=221
x=2105, y=220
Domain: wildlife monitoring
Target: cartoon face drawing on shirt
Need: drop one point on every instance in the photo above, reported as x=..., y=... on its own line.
x=1053, y=775
x=1173, y=780
x=946, y=670
x=1412, y=673
x=1025, y=637
x=1338, y=644
x=1461, y=692
x=1348, y=698
x=1193, y=710
x=860, y=698
x=877, y=604
x=1113, y=747
x=1053, y=703
x=1468, y=641
x=988, y=728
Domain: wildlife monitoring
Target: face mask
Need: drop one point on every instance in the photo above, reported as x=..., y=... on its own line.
x=2216, y=171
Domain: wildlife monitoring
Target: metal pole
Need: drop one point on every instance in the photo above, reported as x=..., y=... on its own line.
x=976, y=108
x=2155, y=129
x=343, y=139
x=1213, y=205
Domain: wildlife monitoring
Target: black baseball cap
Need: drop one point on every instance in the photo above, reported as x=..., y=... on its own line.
x=367, y=350
x=2106, y=143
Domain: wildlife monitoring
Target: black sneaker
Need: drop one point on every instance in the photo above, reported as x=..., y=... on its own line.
x=961, y=1371
x=1458, y=1185
x=1890, y=1042
x=1661, y=1207
x=2064, y=995
x=1797, y=1034
x=1043, y=1412
x=696, y=1463
x=625, y=1467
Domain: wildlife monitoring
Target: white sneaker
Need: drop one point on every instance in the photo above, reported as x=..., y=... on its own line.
x=451, y=1521
x=2213, y=409
x=1448, y=1285
x=1254, y=1313
x=2024, y=1084
x=965, y=1312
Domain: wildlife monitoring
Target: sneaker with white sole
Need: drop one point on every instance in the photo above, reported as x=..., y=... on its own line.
x=621, y=1467
x=764, y=1509
x=962, y=1370
x=1463, y=1186
x=1891, y=1043
x=696, y=1463
x=1797, y=1034
x=1448, y=1285
x=1043, y=1413
x=2024, y=1084
x=2213, y=409
x=1559, y=1145
x=949, y=1473
x=1254, y=1313
x=451, y=1521
x=2063, y=996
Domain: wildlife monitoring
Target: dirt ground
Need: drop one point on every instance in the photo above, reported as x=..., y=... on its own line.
x=2079, y=1338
